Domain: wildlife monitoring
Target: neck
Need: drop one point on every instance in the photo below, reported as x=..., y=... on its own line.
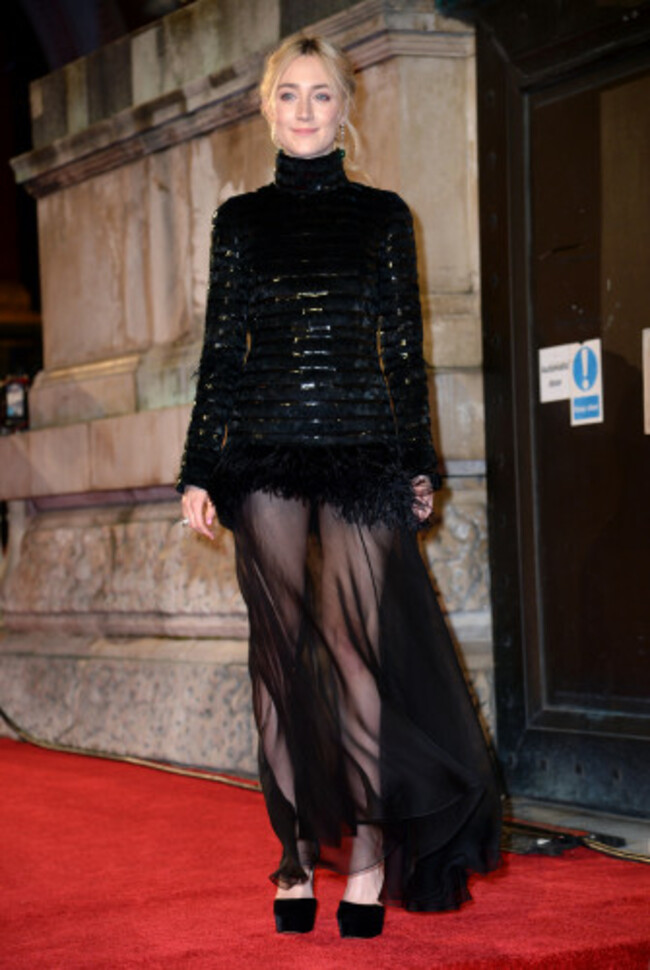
x=323, y=173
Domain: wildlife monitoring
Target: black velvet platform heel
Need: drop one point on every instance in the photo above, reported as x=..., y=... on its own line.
x=295, y=915
x=359, y=920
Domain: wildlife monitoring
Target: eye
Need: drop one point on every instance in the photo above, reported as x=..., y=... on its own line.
x=287, y=96
x=323, y=96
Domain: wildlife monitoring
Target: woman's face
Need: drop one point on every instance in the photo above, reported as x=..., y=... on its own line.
x=307, y=109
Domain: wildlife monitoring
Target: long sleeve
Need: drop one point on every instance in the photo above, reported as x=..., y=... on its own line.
x=224, y=350
x=401, y=343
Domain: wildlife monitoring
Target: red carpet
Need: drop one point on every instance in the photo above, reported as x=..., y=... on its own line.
x=106, y=866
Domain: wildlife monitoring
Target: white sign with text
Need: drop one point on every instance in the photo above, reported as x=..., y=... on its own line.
x=554, y=364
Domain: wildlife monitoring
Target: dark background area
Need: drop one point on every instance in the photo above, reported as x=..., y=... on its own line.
x=36, y=37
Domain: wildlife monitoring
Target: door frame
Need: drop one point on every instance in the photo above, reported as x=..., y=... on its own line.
x=556, y=754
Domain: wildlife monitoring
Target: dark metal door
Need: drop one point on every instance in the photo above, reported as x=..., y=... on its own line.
x=564, y=124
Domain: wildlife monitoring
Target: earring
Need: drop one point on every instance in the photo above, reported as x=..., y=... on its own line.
x=342, y=138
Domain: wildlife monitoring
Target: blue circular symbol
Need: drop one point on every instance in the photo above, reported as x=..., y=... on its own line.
x=585, y=368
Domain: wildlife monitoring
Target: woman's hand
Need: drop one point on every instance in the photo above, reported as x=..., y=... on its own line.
x=423, y=497
x=198, y=510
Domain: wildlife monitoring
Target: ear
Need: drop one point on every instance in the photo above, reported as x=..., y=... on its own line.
x=345, y=112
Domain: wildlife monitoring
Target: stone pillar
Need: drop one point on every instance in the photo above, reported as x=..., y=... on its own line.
x=121, y=630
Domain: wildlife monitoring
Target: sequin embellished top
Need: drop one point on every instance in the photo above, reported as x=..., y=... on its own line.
x=311, y=381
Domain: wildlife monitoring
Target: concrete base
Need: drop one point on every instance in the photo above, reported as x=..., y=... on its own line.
x=186, y=701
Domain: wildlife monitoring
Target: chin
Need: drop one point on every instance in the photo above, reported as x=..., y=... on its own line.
x=307, y=151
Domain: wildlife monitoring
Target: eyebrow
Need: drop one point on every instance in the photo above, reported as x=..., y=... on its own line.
x=288, y=84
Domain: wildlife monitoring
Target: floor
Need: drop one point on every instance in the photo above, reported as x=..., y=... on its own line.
x=635, y=831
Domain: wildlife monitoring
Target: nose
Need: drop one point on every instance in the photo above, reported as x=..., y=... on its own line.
x=304, y=107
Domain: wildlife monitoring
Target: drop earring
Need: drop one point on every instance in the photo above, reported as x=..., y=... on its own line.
x=342, y=139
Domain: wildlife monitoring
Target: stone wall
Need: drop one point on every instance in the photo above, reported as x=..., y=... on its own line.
x=106, y=600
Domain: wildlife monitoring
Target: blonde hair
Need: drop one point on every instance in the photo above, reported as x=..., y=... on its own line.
x=335, y=61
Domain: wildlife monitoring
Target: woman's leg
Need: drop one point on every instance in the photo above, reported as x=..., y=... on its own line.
x=271, y=544
x=353, y=571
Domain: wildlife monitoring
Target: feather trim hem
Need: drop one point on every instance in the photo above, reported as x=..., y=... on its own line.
x=365, y=483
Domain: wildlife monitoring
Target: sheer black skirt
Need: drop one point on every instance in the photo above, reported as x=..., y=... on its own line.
x=370, y=747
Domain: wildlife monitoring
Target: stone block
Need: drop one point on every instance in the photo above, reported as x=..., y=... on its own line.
x=123, y=570
x=76, y=96
x=452, y=330
x=129, y=451
x=195, y=43
x=438, y=167
x=168, y=272
x=458, y=414
x=59, y=459
x=457, y=547
x=476, y=658
x=377, y=118
x=48, y=108
x=237, y=30
x=175, y=700
x=137, y=450
x=108, y=79
x=94, y=246
x=167, y=375
x=243, y=158
x=297, y=14
x=147, y=46
x=83, y=393
x=204, y=192
x=456, y=550
x=15, y=466
x=207, y=39
x=115, y=261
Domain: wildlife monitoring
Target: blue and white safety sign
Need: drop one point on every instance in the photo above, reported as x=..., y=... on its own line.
x=586, y=384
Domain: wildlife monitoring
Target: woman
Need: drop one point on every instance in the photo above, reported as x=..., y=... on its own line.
x=310, y=439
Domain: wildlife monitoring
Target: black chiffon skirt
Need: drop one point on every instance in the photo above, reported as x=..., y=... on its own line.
x=370, y=746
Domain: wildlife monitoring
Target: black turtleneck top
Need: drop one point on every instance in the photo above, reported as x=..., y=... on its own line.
x=311, y=382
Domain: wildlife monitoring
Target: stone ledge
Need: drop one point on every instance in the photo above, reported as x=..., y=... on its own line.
x=165, y=650
x=126, y=451
x=100, y=499
x=86, y=392
x=464, y=468
x=117, y=624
